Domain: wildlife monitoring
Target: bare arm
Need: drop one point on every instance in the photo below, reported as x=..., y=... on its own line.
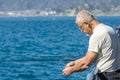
x=80, y=64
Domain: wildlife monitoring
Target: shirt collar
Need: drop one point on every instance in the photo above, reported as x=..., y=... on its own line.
x=97, y=27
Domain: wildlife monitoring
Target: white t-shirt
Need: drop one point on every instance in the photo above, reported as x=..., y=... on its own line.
x=105, y=43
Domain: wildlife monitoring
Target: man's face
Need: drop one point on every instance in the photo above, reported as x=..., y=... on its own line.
x=85, y=27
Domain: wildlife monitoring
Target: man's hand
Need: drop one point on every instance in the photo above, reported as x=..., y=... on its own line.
x=67, y=71
x=74, y=66
x=70, y=64
x=68, y=68
x=80, y=64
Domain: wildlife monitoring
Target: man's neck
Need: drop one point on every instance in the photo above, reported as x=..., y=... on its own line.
x=94, y=24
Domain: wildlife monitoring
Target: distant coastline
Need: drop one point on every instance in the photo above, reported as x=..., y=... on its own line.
x=71, y=12
x=58, y=7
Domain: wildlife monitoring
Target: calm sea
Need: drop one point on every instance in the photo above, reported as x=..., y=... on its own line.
x=38, y=48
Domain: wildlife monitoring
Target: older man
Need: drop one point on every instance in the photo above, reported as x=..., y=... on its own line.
x=103, y=49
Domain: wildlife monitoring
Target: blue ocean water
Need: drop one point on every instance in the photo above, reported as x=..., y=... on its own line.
x=38, y=48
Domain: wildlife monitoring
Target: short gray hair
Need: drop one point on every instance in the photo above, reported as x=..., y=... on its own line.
x=84, y=16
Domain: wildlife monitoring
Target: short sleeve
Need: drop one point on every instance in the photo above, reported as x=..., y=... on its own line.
x=95, y=43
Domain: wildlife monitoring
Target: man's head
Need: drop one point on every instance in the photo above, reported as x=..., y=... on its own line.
x=84, y=21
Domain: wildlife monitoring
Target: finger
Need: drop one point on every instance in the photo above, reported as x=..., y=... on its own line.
x=70, y=64
x=63, y=72
x=66, y=72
